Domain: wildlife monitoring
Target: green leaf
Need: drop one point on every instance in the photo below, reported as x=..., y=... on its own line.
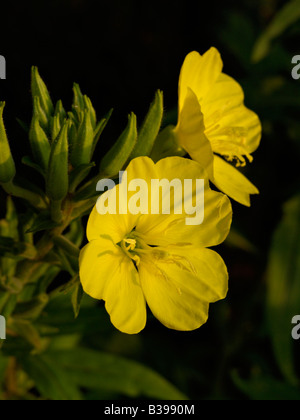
x=67, y=246
x=116, y=158
x=26, y=330
x=79, y=174
x=77, y=296
x=23, y=125
x=287, y=16
x=12, y=248
x=76, y=233
x=84, y=208
x=87, y=191
x=238, y=240
x=283, y=292
x=42, y=222
x=99, y=129
x=265, y=388
x=9, y=227
x=101, y=371
x=51, y=381
x=150, y=128
x=9, y=306
x=26, y=160
x=4, y=361
x=166, y=145
x=31, y=309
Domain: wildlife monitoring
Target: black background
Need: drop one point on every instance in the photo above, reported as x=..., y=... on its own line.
x=121, y=52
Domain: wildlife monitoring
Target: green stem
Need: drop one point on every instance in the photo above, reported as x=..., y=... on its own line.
x=56, y=211
x=67, y=246
x=34, y=199
x=26, y=269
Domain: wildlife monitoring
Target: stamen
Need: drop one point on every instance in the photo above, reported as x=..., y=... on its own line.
x=131, y=242
x=135, y=247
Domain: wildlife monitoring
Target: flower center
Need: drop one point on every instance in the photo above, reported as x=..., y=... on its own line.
x=133, y=245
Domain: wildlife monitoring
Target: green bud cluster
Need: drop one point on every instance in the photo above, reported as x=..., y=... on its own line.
x=36, y=246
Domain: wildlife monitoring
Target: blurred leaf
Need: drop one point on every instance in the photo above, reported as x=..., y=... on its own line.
x=26, y=330
x=284, y=18
x=31, y=309
x=11, y=248
x=283, y=292
x=66, y=245
x=7, y=164
x=84, y=208
x=51, y=381
x=26, y=160
x=3, y=366
x=240, y=46
x=266, y=388
x=96, y=370
x=79, y=174
x=42, y=222
x=77, y=296
x=236, y=239
x=76, y=233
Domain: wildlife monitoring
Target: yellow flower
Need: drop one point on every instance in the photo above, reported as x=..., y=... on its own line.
x=214, y=123
x=157, y=259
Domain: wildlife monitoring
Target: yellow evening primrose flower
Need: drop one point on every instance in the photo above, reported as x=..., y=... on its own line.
x=214, y=126
x=158, y=259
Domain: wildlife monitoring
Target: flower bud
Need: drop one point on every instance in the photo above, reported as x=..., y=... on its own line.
x=40, y=145
x=116, y=158
x=40, y=90
x=83, y=146
x=150, y=128
x=7, y=165
x=58, y=175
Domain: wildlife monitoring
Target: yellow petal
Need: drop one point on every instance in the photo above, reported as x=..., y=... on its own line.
x=98, y=263
x=162, y=230
x=199, y=73
x=143, y=168
x=108, y=274
x=208, y=267
x=179, y=291
x=229, y=124
x=232, y=182
x=224, y=96
x=190, y=133
x=118, y=225
x=238, y=133
x=114, y=226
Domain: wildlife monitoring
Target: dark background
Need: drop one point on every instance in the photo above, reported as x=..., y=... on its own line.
x=121, y=52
